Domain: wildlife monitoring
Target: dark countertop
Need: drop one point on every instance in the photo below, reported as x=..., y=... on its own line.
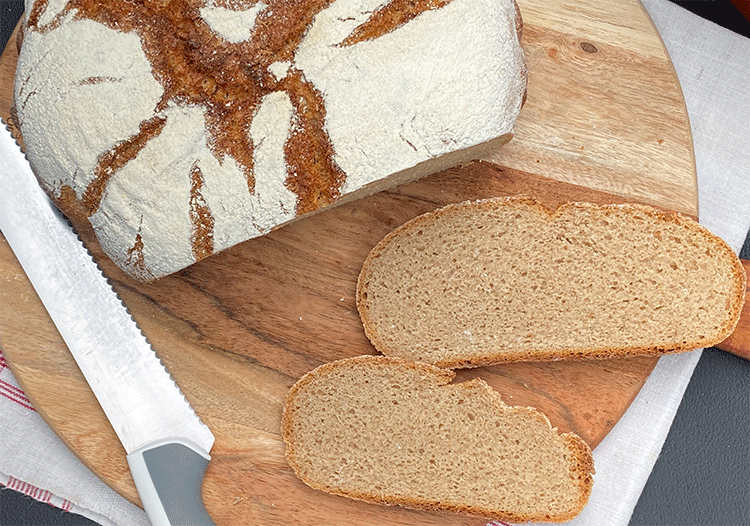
x=702, y=476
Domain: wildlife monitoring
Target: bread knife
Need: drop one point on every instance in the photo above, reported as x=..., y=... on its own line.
x=167, y=445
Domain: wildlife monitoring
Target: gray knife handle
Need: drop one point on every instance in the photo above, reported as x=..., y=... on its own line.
x=168, y=476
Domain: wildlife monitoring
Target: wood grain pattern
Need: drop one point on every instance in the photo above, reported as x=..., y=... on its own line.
x=604, y=108
x=604, y=122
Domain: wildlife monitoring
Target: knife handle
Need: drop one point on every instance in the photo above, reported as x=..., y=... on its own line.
x=168, y=476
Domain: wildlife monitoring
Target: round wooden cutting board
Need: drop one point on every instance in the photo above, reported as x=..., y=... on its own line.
x=604, y=121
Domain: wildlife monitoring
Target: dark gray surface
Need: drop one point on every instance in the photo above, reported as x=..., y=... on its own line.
x=723, y=12
x=176, y=474
x=702, y=477
x=17, y=509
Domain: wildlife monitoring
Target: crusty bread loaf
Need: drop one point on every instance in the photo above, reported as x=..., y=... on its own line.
x=179, y=129
x=506, y=279
x=391, y=431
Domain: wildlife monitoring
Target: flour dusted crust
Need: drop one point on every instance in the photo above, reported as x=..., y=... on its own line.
x=179, y=129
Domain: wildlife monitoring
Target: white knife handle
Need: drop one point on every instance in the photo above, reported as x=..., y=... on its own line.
x=168, y=476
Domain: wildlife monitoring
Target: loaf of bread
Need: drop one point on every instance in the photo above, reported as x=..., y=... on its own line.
x=506, y=279
x=180, y=129
x=395, y=432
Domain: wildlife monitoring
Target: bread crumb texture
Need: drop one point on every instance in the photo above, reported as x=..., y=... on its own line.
x=395, y=432
x=506, y=279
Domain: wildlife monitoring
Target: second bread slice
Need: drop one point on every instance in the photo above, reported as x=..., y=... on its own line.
x=390, y=431
x=506, y=279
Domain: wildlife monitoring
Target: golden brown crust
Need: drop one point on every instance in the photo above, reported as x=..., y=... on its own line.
x=739, y=279
x=390, y=16
x=579, y=457
x=584, y=467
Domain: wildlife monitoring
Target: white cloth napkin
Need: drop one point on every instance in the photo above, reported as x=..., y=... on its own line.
x=713, y=69
x=34, y=461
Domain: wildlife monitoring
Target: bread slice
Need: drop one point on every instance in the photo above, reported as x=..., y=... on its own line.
x=180, y=129
x=395, y=432
x=506, y=279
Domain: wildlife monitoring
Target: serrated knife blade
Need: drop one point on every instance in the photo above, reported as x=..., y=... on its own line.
x=166, y=443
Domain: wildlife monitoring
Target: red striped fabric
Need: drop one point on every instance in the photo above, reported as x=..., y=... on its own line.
x=37, y=494
x=9, y=390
